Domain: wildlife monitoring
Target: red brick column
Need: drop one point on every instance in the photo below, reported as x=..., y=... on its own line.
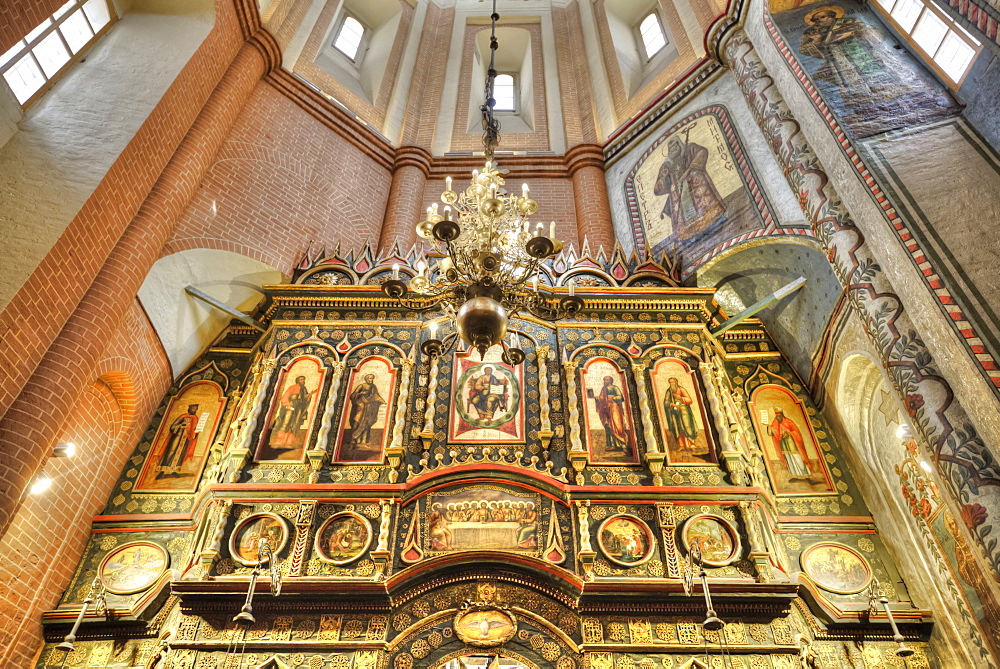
x=593, y=208
x=30, y=426
x=406, y=194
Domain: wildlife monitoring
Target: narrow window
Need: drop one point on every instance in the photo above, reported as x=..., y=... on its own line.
x=505, y=93
x=34, y=63
x=349, y=37
x=946, y=46
x=653, y=39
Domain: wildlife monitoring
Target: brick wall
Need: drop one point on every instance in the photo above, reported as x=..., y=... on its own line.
x=39, y=552
x=427, y=83
x=461, y=138
x=280, y=180
x=579, y=113
x=67, y=271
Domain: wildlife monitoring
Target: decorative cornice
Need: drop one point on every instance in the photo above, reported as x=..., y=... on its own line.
x=414, y=156
x=584, y=155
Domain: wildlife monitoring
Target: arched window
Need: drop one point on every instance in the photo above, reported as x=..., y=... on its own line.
x=349, y=37
x=505, y=93
x=653, y=39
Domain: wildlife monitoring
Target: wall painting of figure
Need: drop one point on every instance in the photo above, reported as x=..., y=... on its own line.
x=625, y=540
x=482, y=519
x=487, y=401
x=791, y=451
x=836, y=567
x=608, y=413
x=713, y=539
x=133, y=567
x=177, y=456
x=364, y=424
x=343, y=538
x=681, y=412
x=293, y=411
x=871, y=83
x=688, y=191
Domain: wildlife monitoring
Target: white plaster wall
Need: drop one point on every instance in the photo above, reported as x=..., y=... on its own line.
x=69, y=139
x=723, y=91
x=185, y=324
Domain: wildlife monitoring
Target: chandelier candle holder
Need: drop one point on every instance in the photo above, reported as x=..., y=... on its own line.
x=264, y=554
x=874, y=595
x=486, y=256
x=97, y=594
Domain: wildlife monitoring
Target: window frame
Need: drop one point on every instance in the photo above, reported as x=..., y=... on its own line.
x=362, y=44
x=27, y=48
x=654, y=12
x=517, y=93
x=952, y=28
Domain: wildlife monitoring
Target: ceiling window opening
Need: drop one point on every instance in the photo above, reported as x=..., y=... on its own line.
x=653, y=38
x=349, y=37
x=945, y=45
x=34, y=63
x=505, y=93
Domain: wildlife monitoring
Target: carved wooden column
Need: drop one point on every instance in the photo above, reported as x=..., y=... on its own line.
x=590, y=190
x=406, y=196
x=963, y=460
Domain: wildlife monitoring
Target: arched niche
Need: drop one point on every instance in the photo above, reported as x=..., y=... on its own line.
x=754, y=271
x=513, y=57
x=187, y=325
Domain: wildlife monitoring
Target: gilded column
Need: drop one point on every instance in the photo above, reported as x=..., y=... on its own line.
x=963, y=460
x=590, y=190
x=406, y=195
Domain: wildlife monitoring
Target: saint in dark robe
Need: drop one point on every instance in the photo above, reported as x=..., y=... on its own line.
x=365, y=404
x=488, y=394
x=788, y=440
x=292, y=412
x=682, y=431
x=181, y=445
x=611, y=410
x=693, y=202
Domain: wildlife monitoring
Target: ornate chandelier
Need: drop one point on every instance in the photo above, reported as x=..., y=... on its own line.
x=487, y=254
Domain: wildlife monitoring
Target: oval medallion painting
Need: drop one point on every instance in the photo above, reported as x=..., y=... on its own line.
x=836, y=567
x=244, y=543
x=343, y=538
x=713, y=538
x=625, y=540
x=485, y=626
x=133, y=567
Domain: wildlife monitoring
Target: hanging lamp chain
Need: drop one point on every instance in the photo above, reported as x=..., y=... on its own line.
x=491, y=126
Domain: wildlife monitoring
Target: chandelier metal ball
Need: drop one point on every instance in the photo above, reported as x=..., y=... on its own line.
x=482, y=323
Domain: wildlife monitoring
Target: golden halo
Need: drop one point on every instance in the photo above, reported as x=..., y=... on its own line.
x=838, y=11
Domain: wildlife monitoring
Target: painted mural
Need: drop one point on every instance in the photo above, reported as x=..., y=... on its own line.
x=244, y=542
x=686, y=193
x=681, y=413
x=482, y=519
x=177, y=456
x=365, y=420
x=784, y=432
x=714, y=539
x=133, y=567
x=625, y=540
x=836, y=568
x=293, y=410
x=608, y=416
x=870, y=81
x=343, y=538
x=487, y=403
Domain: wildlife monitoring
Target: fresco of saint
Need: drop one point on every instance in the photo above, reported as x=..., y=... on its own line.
x=870, y=82
x=487, y=402
x=792, y=455
x=610, y=432
x=693, y=202
x=686, y=437
x=292, y=411
x=364, y=425
x=178, y=453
